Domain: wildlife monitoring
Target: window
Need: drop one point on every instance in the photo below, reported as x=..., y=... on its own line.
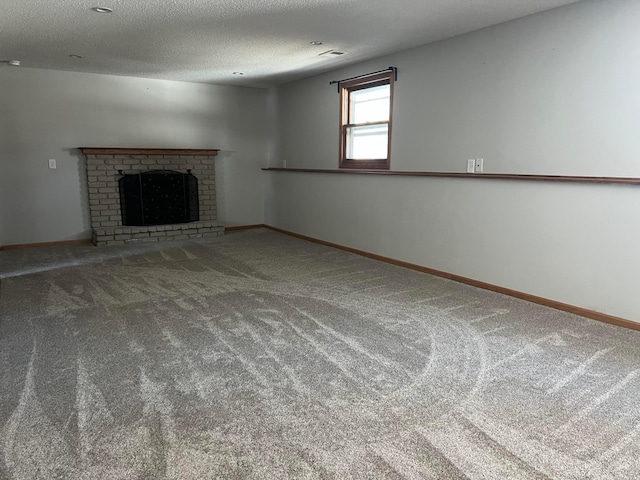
x=365, y=121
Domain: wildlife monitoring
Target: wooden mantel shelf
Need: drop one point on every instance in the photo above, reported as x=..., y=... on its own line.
x=147, y=151
x=475, y=176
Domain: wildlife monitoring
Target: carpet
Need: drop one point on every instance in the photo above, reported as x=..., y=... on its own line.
x=257, y=355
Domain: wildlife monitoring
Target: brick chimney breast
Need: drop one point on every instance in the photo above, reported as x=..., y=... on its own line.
x=105, y=166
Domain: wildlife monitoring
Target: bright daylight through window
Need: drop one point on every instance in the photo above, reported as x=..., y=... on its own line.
x=365, y=121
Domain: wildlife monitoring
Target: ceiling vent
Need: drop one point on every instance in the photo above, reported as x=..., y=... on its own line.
x=331, y=53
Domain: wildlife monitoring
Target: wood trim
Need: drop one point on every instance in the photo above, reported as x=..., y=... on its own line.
x=476, y=176
x=237, y=228
x=382, y=164
x=583, y=312
x=368, y=80
x=84, y=241
x=146, y=151
x=345, y=88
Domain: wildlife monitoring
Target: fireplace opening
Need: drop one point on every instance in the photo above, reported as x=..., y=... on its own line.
x=159, y=197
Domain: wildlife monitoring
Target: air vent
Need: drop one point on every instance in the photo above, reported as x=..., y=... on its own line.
x=331, y=53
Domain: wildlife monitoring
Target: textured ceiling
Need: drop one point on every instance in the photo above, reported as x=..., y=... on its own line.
x=208, y=40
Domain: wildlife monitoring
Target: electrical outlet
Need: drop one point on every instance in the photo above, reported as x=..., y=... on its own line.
x=284, y=164
x=52, y=163
x=479, y=165
x=471, y=165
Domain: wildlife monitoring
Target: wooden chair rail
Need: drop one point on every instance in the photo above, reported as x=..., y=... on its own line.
x=475, y=176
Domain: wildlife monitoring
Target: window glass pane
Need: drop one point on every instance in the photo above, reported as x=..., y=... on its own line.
x=368, y=142
x=370, y=104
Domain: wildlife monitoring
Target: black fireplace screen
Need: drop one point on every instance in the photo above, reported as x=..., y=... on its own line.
x=159, y=197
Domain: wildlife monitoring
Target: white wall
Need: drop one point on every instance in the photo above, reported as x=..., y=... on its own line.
x=554, y=93
x=47, y=114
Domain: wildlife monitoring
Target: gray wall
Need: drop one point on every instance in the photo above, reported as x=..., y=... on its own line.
x=46, y=114
x=554, y=93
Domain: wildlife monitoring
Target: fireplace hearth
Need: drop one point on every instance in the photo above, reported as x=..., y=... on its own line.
x=171, y=204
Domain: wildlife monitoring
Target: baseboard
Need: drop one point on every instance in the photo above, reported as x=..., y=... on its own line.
x=46, y=244
x=583, y=312
x=88, y=240
x=237, y=228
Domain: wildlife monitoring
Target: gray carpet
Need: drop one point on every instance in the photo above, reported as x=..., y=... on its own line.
x=257, y=356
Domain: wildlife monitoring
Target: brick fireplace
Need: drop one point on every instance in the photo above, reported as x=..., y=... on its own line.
x=105, y=166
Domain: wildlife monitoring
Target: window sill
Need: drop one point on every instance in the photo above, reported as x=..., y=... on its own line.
x=365, y=164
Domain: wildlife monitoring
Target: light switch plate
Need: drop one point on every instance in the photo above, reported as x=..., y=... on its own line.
x=52, y=163
x=479, y=165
